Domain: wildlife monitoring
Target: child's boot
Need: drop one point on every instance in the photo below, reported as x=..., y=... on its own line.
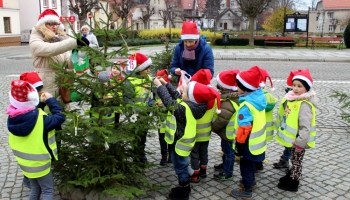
x=286, y=177
x=163, y=161
x=181, y=192
x=195, y=176
x=203, y=171
x=219, y=167
x=289, y=185
x=242, y=193
x=282, y=163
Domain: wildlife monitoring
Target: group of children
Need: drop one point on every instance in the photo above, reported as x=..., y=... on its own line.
x=244, y=121
x=240, y=111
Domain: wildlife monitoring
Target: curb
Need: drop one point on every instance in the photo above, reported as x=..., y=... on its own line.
x=244, y=58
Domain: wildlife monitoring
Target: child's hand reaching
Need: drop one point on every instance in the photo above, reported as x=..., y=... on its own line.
x=157, y=82
x=44, y=96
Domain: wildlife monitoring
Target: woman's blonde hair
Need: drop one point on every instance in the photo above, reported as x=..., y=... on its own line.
x=85, y=27
x=48, y=34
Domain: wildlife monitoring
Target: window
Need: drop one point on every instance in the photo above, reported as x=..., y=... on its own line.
x=342, y=29
x=331, y=28
x=232, y=3
x=318, y=28
x=228, y=14
x=7, y=25
x=220, y=24
x=330, y=15
x=53, y=3
x=45, y=3
x=316, y=18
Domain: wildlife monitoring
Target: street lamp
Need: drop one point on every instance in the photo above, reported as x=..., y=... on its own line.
x=169, y=13
x=214, y=23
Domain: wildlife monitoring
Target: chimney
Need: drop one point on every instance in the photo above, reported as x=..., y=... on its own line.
x=228, y=3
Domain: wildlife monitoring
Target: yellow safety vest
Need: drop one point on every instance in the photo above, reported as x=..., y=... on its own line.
x=107, y=116
x=162, y=127
x=203, y=127
x=288, y=121
x=270, y=125
x=230, y=128
x=185, y=144
x=142, y=92
x=30, y=151
x=257, y=137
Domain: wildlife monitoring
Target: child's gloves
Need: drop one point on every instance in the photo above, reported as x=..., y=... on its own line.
x=297, y=148
x=243, y=133
x=239, y=149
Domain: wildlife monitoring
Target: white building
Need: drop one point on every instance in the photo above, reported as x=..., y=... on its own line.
x=10, y=33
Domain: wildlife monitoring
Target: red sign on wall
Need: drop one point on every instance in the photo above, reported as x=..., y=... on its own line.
x=65, y=19
x=1, y=4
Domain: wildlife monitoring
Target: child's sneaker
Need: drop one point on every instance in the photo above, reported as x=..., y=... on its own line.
x=254, y=186
x=223, y=176
x=219, y=167
x=242, y=193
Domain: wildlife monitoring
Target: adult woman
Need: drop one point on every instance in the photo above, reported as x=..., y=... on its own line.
x=49, y=44
x=85, y=30
x=192, y=53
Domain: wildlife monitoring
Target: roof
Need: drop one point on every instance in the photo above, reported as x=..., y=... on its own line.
x=336, y=4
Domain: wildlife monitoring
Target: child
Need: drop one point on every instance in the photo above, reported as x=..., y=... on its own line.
x=140, y=94
x=250, y=126
x=164, y=147
x=181, y=125
x=199, y=153
x=270, y=105
x=34, y=79
x=32, y=135
x=297, y=128
x=284, y=159
x=116, y=70
x=223, y=124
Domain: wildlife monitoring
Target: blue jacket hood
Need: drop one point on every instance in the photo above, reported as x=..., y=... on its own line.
x=256, y=98
x=22, y=125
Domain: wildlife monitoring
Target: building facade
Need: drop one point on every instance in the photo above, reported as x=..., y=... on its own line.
x=329, y=17
x=10, y=32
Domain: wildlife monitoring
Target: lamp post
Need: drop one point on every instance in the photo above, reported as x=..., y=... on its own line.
x=214, y=23
x=169, y=13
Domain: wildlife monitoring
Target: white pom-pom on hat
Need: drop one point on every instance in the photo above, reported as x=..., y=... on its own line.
x=170, y=76
x=262, y=84
x=218, y=111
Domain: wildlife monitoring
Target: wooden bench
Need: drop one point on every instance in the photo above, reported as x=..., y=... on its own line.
x=279, y=40
x=327, y=41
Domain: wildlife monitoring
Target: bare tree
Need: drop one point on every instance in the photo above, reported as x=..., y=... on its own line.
x=146, y=15
x=164, y=14
x=122, y=9
x=211, y=8
x=345, y=20
x=251, y=9
x=81, y=8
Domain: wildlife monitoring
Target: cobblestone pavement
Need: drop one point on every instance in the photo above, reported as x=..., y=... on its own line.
x=326, y=167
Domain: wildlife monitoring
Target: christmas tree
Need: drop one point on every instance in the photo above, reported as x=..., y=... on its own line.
x=95, y=155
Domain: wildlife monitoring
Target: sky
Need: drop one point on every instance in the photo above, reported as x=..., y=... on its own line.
x=303, y=4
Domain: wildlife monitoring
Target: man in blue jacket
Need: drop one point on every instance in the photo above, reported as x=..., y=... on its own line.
x=192, y=53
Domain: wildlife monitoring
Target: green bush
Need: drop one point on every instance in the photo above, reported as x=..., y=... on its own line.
x=347, y=36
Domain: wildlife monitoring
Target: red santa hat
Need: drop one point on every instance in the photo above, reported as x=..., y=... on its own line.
x=289, y=81
x=264, y=76
x=227, y=79
x=202, y=76
x=189, y=31
x=304, y=75
x=23, y=94
x=142, y=61
x=200, y=93
x=251, y=78
x=48, y=15
x=32, y=77
x=164, y=74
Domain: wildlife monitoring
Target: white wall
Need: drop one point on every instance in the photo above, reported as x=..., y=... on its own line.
x=28, y=15
x=10, y=4
x=14, y=20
